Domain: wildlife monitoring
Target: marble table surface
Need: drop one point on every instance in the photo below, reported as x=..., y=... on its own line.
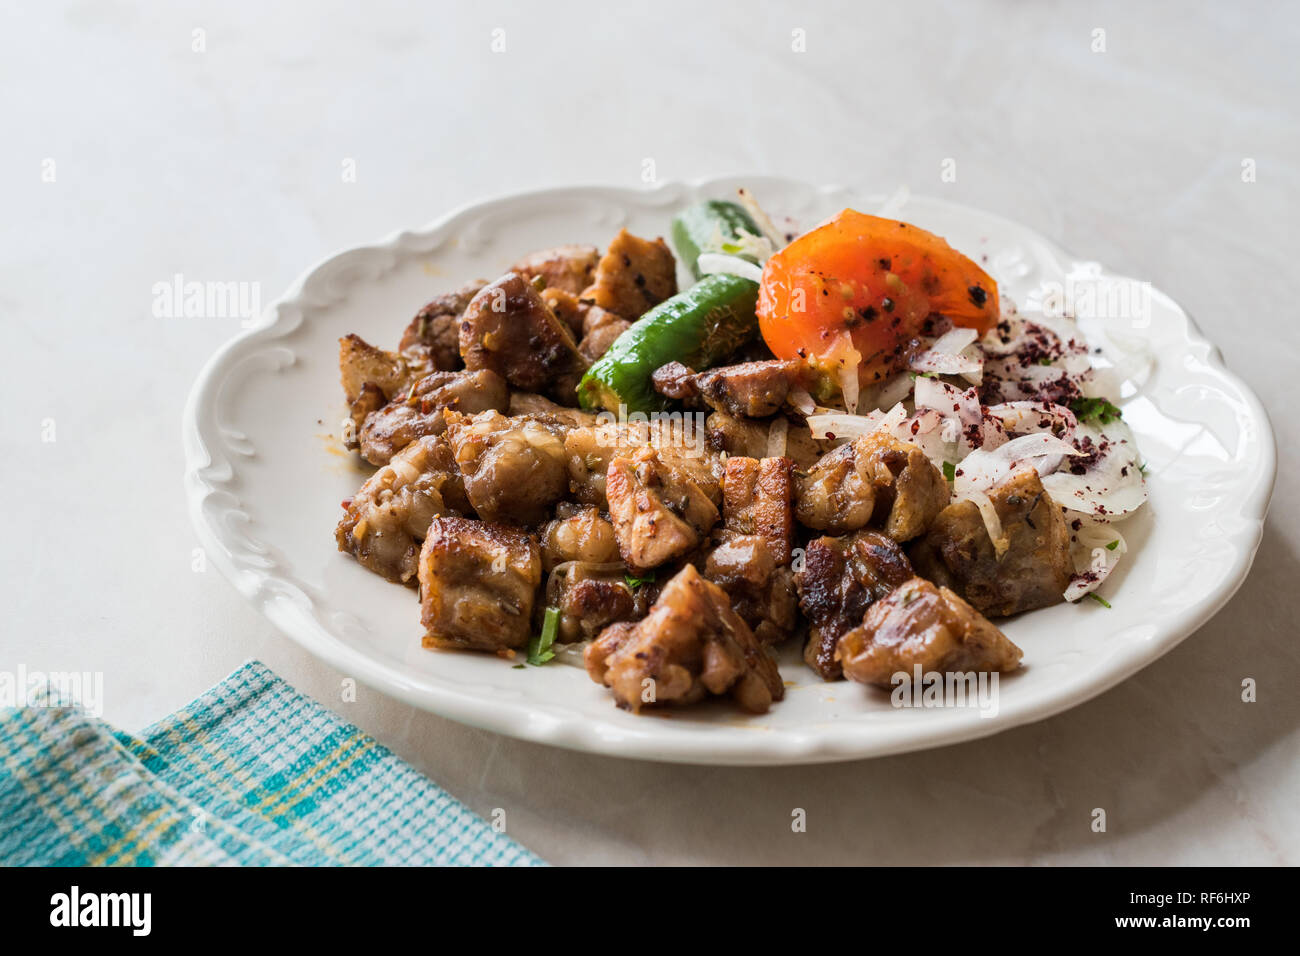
x=216, y=141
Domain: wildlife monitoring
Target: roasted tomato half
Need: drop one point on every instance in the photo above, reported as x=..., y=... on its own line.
x=864, y=289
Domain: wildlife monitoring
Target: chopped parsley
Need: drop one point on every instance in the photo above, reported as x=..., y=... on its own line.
x=539, y=647
x=1099, y=599
x=633, y=582
x=1097, y=410
x=950, y=471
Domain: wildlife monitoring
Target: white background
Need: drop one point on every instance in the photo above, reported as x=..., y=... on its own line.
x=226, y=165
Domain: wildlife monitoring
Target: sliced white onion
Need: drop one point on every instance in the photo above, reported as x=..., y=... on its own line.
x=966, y=423
x=992, y=523
x=718, y=263
x=831, y=425
x=953, y=353
x=776, y=436
x=801, y=401
x=948, y=401
x=1021, y=418
x=983, y=470
x=1095, y=550
x=571, y=654
x=1112, y=485
x=887, y=393
x=761, y=219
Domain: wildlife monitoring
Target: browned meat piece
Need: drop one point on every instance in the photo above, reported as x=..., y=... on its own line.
x=567, y=308
x=509, y=329
x=839, y=580
x=514, y=468
x=1032, y=567
x=387, y=518
x=590, y=599
x=752, y=389
x=435, y=330
x=633, y=276
x=597, y=342
x=737, y=436
x=594, y=317
x=675, y=380
x=360, y=362
x=836, y=494
x=478, y=582
x=875, y=477
x=751, y=562
x=542, y=408
x=761, y=591
x=801, y=448
x=918, y=624
x=660, y=512
x=370, y=400
x=578, y=534
x=691, y=644
x=419, y=411
x=567, y=268
x=590, y=450
x=756, y=498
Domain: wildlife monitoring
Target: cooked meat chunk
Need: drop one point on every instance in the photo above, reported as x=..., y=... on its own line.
x=633, y=276
x=590, y=450
x=839, y=580
x=691, y=644
x=836, y=494
x=514, y=468
x=1030, y=566
x=597, y=342
x=387, y=518
x=435, y=330
x=590, y=599
x=370, y=400
x=478, y=582
x=360, y=362
x=567, y=268
x=542, y=408
x=580, y=535
x=567, y=308
x=876, y=477
x=756, y=499
x=752, y=389
x=752, y=558
x=509, y=329
x=737, y=436
x=674, y=380
x=761, y=591
x=801, y=448
x=920, y=625
x=594, y=317
x=660, y=512
x=419, y=411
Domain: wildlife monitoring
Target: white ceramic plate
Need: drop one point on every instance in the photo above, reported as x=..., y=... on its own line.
x=265, y=475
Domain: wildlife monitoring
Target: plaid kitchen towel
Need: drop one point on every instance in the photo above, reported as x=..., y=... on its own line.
x=251, y=773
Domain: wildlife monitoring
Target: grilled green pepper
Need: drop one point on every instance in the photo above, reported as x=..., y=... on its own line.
x=697, y=327
x=710, y=227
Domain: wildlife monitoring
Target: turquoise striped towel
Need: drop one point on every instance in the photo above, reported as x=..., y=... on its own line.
x=251, y=773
